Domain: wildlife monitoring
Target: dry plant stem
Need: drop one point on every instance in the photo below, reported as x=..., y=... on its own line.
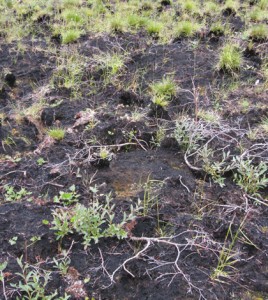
x=165, y=241
x=3, y=286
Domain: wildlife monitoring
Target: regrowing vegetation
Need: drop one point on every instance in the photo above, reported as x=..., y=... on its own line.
x=133, y=149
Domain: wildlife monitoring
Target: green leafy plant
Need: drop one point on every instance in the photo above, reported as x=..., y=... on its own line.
x=67, y=198
x=215, y=169
x=56, y=133
x=249, y=177
x=40, y=161
x=189, y=133
x=34, y=282
x=12, y=195
x=93, y=222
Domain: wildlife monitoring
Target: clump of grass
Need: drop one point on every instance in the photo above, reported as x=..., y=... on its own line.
x=166, y=87
x=211, y=7
x=263, y=4
x=70, y=35
x=162, y=91
x=209, y=116
x=117, y=23
x=257, y=15
x=264, y=124
x=217, y=28
x=186, y=29
x=190, y=6
x=230, y=58
x=231, y=6
x=154, y=28
x=70, y=15
x=136, y=21
x=56, y=133
x=259, y=32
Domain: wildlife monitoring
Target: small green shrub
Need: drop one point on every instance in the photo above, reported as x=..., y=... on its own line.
x=230, y=58
x=249, y=177
x=93, y=222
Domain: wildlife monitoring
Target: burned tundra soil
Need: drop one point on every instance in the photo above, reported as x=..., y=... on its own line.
x=133, y=158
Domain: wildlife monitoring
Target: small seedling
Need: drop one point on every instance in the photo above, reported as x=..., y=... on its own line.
x=13, y=240
x=67, y=198
x=12, y=195
x=40, y=161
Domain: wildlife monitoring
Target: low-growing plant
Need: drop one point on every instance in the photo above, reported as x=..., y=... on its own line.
x=230, y=58
x=12, y=195
x=117, y=23
x=93, y=222
x=227, y=256
x=56, y=133
x=249, y=177
x=190, y=6
x=189, y=133
x=215, y=169
x=34, y=282
x=67, y=198
x=217, y=28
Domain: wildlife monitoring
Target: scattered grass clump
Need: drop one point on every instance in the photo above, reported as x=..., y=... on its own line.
x=217, y=29
x=72, y=16
x=230, y=58
x=56, y=133
x=154, y=28
x=70, y=35
x=259, y=32
x=264, y=124
x=117, y=23
x=186, y=29
x=166, y=87
x=190, y=6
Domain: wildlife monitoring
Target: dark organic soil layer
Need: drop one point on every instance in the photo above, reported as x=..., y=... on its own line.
x=188, y=200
